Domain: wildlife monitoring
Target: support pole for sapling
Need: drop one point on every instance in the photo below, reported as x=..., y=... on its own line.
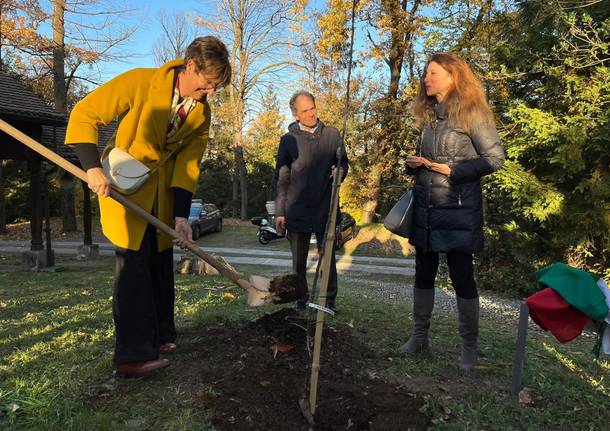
x=329, y=244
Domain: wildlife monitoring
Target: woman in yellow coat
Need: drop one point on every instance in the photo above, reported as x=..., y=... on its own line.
x=164, y=121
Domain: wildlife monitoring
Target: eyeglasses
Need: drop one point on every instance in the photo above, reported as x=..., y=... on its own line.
x=208, y=85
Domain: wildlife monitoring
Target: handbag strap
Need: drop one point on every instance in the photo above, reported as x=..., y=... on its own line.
x=111, y=143
x=168, y=156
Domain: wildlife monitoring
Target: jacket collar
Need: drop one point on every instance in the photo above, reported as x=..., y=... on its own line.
x=164, y=75
x=296, y=130
x=160, y=98
x=440, y=110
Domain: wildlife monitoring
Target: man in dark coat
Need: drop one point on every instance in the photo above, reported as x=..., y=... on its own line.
x=304, y=165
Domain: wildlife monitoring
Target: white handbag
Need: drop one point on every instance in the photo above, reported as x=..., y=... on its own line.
x=126, y=173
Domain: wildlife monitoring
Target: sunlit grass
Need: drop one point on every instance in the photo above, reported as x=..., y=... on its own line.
x=56, y=344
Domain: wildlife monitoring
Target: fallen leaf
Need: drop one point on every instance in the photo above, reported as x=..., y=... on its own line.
x=525, y=397
x=281, y=348
x=264, y=383
x=13, y=407
x=85, y=292
x=230, y=296
x=351, y=323
x=2, y=305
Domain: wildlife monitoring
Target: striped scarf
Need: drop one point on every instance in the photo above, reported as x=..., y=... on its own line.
x=179, y=110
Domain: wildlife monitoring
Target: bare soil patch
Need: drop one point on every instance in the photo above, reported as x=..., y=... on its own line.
x=252, y=377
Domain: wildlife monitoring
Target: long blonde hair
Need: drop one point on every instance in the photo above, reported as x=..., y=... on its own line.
x=466, y=102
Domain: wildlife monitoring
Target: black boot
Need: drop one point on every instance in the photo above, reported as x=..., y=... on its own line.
x=423, y=303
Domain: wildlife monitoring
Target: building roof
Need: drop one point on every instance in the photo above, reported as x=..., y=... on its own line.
x=18, y=102
x=54, y=138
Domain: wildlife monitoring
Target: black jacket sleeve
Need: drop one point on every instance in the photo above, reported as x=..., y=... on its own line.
x=88, y=156
x=283, y=162
x=491, y=156
x=182, y=202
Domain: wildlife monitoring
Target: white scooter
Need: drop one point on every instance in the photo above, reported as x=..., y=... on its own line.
x=266, y=230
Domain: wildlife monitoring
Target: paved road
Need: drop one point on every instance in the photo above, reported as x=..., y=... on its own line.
x=237, y=256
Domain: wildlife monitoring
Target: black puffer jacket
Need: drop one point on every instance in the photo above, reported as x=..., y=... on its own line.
x=303, y=173
x=449, y=210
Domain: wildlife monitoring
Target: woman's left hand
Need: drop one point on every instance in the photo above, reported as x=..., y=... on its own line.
x=440, y=168
x=183, y=229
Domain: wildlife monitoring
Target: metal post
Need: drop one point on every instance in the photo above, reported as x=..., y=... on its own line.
x=524, y=312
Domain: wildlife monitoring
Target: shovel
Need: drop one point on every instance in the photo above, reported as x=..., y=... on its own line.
x=261, y=290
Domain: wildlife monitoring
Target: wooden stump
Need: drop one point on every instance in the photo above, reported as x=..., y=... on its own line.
x=191, y=265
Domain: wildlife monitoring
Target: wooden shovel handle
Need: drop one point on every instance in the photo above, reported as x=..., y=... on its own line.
x=79, y=173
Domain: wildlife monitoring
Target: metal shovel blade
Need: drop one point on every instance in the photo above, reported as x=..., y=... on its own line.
x=258, y=293
x=279, y=290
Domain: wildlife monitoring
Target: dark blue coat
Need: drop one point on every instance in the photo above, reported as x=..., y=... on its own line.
x=303, y=176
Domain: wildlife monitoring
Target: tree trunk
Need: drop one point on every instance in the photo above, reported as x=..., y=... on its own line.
x=59, y=76
x=374, y=186
x=2, y=201
x=235, y=200
x=243, y=181
x=68, y=212
x=400, y=44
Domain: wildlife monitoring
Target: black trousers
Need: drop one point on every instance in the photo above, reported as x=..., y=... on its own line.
x=143, y=301
x=299, y=245
x=461, y=272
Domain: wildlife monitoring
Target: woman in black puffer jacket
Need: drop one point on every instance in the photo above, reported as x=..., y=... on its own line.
x=459, y=144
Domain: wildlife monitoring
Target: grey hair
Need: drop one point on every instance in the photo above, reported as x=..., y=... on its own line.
x=296, y=95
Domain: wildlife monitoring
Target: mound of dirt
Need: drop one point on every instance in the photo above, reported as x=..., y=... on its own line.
x=252, y=377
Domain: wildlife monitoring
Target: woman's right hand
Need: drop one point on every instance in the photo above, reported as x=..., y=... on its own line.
x=416, y=161
x=98, y=182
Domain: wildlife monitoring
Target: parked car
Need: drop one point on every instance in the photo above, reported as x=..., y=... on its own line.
x=204, y=217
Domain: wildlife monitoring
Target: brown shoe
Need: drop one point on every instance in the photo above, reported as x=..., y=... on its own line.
x=140, y=369
x=167, y=348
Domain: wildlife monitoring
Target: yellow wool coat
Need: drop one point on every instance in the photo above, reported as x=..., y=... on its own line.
x=144, y=97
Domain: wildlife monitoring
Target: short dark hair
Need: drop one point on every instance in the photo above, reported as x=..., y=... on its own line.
x=296, y=95
x=210, y=55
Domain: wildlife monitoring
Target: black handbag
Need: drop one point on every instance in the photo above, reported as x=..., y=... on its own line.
x=400, y=218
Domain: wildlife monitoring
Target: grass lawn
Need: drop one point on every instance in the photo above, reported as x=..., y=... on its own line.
x=56, y=341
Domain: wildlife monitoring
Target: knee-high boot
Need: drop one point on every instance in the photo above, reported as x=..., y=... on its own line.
x=468, y=312
x=423, y=303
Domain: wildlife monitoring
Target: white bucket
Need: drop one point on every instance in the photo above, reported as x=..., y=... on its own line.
x=270, y=206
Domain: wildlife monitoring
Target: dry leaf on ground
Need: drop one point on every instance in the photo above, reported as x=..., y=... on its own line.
x=525, y=397
x=280, y=347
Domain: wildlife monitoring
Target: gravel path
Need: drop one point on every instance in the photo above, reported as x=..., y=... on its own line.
x=492, y=307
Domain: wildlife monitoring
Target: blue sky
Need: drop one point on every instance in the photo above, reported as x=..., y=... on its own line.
x=141, y=43
x=148, y=32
